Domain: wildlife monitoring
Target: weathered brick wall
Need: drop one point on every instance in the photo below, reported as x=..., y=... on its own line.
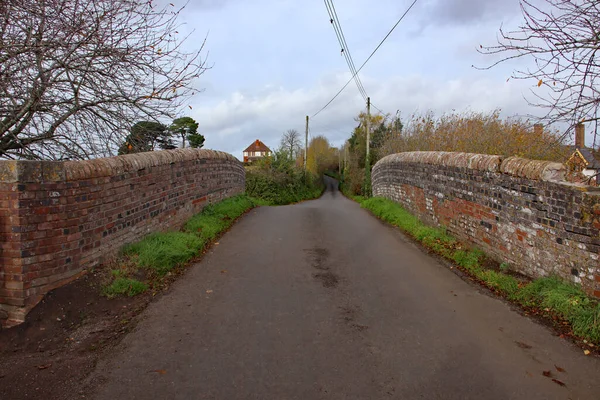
x=59, y=218
x=519, y=211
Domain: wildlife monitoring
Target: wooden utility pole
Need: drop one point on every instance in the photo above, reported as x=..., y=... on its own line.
x=368, y=126
x=306, y=144
x=345, y=156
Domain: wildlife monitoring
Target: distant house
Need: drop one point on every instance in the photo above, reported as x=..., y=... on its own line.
x=256, y=151
x=584, y=160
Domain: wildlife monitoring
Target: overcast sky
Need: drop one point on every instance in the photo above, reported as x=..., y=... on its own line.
x=276, y=61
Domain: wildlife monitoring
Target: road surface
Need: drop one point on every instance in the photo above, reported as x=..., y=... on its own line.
x=320, y=300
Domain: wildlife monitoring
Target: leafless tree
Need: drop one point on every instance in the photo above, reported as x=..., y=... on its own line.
x=562, y=37
x=291, y=142
x=76, y=75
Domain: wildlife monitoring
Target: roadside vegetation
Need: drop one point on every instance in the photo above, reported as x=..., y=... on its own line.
x=469, y=132
x=274, y=187
x=565, y=305
x=281, y=178
x=152, y=262
x=148, y=263
x=550, y=297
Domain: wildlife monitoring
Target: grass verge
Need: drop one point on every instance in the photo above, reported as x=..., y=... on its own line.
x=146, y=264
x=550, y=297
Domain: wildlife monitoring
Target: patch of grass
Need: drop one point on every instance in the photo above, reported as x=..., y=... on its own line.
x=568, y=301
x=553, y=294
x=468, y=259
x=500, y=282
x=125, y=287
x=160, y=253
x=216, y=218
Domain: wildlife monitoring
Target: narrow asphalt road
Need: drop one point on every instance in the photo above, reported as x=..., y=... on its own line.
x=320, y=300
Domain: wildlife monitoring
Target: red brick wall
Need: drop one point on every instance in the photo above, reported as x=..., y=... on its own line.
x=59, y=218
x=519, y=211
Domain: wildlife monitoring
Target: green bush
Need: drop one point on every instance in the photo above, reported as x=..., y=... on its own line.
x=279, y=188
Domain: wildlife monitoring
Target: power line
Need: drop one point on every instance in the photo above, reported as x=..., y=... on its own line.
x=367, y=60
x=342, y=41
x=377, y=108
x=337, y=27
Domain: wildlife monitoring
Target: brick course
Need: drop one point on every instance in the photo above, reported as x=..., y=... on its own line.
x=59, y=218
x=519, y=211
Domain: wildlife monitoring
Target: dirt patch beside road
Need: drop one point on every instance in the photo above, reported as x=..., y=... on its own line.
x=64, y=335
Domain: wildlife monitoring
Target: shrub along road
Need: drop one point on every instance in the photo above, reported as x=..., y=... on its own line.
x=320, y=300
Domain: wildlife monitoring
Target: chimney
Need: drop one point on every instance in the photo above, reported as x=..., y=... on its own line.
x=538, y=129
x=580, y=136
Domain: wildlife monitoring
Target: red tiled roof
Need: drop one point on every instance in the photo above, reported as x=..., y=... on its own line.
x=257, y=145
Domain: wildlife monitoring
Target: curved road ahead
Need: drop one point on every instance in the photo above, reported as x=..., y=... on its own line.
x=320, y=300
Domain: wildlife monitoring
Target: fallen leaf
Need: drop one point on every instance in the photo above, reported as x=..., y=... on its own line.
x=159, y=371
x=46, y=366
x=224, y=271
x=558, y=382
x=559, y=369
x=209, y=291
x=216, y=243
x=586, y=352
x=547, y=373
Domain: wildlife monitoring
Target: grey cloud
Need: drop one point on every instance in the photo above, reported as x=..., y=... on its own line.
x=467, y=12
x=233, y=124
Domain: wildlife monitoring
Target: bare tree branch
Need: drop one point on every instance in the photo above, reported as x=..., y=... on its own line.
x=291, y=143
x=76, y=75
x=562, y=38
